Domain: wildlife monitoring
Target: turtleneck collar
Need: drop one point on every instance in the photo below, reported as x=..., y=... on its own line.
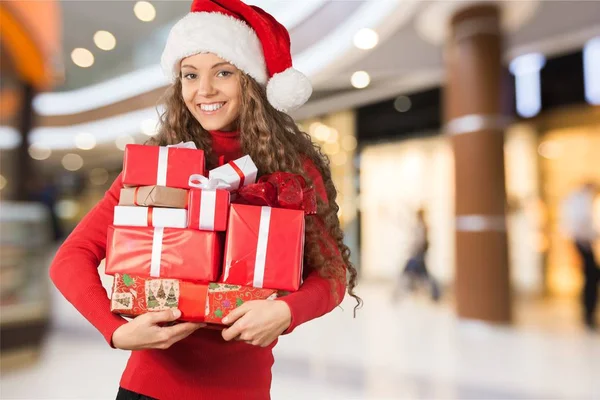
x=223, y=134
x=226, y=145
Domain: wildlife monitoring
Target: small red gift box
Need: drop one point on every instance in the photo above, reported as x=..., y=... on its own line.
x=208, y=209
x=162, y=166
x=134, y=295
x=208, y=203
x=264, y=247
x=164, y=252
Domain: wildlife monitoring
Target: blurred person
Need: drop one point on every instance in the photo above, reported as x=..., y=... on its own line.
x=232, y=83
x=45, y=191
x=415, y=271
x=578, y=224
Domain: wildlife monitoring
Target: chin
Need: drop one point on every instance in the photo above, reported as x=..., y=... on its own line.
x=213, y=125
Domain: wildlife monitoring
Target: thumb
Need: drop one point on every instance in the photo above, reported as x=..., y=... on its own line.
x=165, y=316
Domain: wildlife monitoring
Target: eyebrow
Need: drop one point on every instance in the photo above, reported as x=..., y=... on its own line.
x=219, y=64
x=213, y=67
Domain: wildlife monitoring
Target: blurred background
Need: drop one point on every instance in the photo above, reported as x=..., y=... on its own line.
x=464, y=140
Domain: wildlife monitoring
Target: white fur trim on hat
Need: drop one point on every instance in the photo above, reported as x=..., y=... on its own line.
x=288, y=90
x=220, y=34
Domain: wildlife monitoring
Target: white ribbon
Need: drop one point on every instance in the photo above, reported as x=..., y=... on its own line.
x=261, y=247
x=208, y=204
x=161, y=171
x=186, y=145
x=156, y=252
x=201, y=182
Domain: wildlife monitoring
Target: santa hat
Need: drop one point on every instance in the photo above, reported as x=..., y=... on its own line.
x=247, y=37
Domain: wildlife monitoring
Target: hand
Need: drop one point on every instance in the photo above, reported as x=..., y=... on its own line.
x=145, y=332
x=258, y=322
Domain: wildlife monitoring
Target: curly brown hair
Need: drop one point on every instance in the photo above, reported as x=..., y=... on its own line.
x=275, y=143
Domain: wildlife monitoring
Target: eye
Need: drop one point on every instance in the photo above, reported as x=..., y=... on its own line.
x=189, y=76
x=224, y=74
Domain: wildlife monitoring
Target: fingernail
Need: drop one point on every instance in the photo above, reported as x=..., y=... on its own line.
x=176, y=313
x=225, y=320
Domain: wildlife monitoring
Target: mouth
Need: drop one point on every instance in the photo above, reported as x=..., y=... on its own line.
x=211, y=108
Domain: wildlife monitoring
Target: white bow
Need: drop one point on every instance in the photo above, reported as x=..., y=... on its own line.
x=202, y=182
x=186, y=145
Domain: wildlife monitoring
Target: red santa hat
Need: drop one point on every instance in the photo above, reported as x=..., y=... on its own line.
x=247, y=37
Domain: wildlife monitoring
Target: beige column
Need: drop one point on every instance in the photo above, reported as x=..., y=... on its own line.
x=475, y=123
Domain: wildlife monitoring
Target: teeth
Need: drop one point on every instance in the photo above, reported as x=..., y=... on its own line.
x=211, y=107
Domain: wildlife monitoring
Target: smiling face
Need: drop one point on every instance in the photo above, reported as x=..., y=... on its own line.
x=210, y=87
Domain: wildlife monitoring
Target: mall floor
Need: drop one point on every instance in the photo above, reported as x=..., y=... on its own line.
x=412, y=349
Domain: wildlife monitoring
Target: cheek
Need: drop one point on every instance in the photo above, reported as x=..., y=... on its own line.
x=234, y=95
x=187, y=94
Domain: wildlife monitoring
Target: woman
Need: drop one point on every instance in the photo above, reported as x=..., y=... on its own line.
x=415, y=270
x=232, y=83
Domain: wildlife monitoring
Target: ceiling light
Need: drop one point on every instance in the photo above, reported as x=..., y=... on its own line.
x=123, y=141
x=360, y=79
x=98, y=176
x=144, y=11
x=72, y=162
x=3, y=182
x=105, y=40
x=85, y=141
x=402, y=103
x=322, y=132
x=39, y=152
x=312, y=129
x=148, y=126
x=366, y=39
x=349, y=143
x=333, y=135
x=82, y=57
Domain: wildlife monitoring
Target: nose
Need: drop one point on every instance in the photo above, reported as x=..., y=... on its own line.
x=205, y=86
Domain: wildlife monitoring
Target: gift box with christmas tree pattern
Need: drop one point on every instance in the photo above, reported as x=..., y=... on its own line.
x=135, y=295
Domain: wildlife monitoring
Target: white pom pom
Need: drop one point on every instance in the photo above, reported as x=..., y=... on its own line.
x=288, y=90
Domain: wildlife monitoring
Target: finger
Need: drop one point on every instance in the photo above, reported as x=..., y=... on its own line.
x=232, y=332
x=237, y=313
x=163, y=316
x=182, y=328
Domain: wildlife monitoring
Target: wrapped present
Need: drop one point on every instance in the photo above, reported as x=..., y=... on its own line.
x=162, y=166
x=265, y=245
x=164, y=252
x=154, y=196
x=134, y=295
x=237, y=173
x=208, y=204
x=223, y=298
x=150, y=216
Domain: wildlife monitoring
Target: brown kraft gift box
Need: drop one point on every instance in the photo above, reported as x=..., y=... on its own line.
x=154, y=196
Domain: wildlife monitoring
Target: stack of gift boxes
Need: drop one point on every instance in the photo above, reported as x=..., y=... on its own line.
x=202, y=244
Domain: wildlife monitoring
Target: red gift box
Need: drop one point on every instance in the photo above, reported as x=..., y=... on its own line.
x=162, y=166
x=208, y=209
x=164, y=252
x=264, y=247
x=134, y=295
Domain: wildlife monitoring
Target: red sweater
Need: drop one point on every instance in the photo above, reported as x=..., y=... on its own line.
x=202, y=366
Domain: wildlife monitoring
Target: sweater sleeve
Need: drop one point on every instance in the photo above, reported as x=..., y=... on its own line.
x=74, y=269
x=318, y=295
